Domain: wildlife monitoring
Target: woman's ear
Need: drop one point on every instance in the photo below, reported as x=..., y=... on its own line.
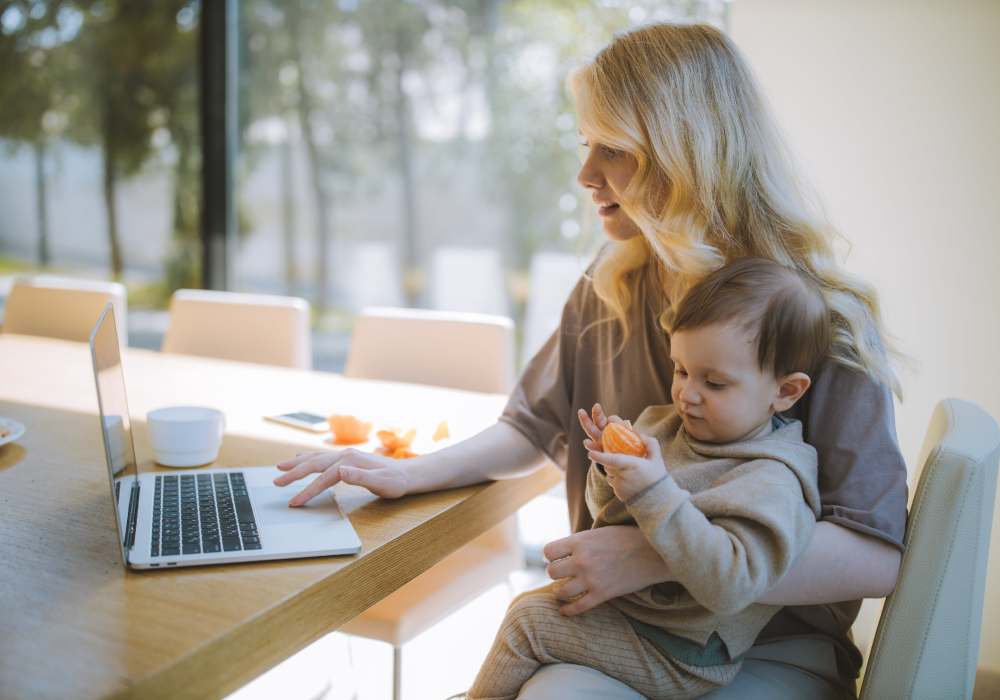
x=791, y=387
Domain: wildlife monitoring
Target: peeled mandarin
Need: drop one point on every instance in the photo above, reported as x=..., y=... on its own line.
x=621, y=439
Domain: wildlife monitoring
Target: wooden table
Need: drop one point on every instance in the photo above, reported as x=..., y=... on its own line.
x=75, y=623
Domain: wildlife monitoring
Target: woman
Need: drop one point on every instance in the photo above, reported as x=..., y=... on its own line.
x=688, y=172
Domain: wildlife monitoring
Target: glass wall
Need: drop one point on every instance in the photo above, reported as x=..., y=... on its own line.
x=392, y=152
x=420, y=153
x=99, y=146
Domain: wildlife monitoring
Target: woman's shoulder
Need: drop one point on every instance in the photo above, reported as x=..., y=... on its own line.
x=837, y=380
x=846, y=406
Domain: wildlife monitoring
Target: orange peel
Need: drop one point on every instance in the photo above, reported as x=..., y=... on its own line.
x=395, y=445
x=442, y=431
x=348, y=430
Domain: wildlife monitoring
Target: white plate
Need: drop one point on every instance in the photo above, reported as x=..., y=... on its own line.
x=15, y=429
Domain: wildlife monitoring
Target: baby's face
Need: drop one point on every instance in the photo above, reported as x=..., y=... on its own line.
x=719, y=389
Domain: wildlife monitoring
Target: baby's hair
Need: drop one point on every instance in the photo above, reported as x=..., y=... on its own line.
x=784, y=310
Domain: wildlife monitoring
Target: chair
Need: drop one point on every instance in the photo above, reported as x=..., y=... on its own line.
x=467, y=351
x=61, y=307
x=552, y=278
x=462, y=351
x=270, y=330
x=372, y=277
x=467, y=279
x=927, y=642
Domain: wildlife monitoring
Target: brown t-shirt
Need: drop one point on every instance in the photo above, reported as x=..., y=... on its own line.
x=846, y=415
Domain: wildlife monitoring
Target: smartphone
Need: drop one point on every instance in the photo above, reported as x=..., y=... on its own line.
x=302, y=420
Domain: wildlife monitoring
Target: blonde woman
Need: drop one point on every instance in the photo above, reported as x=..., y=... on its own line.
x=688, y=172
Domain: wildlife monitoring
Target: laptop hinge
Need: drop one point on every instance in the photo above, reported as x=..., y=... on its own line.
x=133, y=516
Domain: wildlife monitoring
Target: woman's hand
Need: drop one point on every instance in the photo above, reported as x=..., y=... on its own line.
x=594, y=566
x=383, y=476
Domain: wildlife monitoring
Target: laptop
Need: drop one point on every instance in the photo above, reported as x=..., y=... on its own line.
x=195, y=517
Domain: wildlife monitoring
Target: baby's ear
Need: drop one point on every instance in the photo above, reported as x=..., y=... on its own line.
x=791, y=387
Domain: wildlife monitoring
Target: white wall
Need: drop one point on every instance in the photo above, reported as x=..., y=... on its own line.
x=893, y=108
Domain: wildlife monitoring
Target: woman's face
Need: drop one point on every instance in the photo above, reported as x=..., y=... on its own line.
x=606, y=172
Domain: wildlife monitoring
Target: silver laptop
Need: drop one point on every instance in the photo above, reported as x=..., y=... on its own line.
x=192, y=517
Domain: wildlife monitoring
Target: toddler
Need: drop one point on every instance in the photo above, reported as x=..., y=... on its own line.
x=726, y=493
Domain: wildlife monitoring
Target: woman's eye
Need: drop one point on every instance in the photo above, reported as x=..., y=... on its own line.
x=611, y=153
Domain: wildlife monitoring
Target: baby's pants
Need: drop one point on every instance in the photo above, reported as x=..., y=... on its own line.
x=534, y=632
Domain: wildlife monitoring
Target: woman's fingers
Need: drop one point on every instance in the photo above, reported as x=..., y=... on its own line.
x=296, y=460
x=569, y=589
x=320, y=483
x=557, y=549
x=304, y=466
x=581, y=604
x=560, y=568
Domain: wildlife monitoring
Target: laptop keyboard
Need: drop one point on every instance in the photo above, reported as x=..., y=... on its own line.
x=201, y=514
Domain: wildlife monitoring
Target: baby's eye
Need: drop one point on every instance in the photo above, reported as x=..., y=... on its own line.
x=679, y=372
x=715, y=386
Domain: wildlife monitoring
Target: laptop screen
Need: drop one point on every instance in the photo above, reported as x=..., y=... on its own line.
x=116, y=428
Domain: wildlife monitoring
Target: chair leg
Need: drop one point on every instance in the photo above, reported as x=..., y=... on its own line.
x=397, y=673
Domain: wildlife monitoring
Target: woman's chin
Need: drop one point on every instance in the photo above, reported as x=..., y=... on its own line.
x=617, y=232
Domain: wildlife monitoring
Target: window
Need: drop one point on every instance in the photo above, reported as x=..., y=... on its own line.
x=391, y=152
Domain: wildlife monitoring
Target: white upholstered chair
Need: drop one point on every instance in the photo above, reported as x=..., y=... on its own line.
x=467, y=279
x=463, y=351
x=443, y=348
x=552, y=278
x=261, y=328
x=61, y=307
x=927, y=642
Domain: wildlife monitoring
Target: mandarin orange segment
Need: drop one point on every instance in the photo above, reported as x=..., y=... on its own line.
x=442, y=431
x=621, y=439
x=348, y=430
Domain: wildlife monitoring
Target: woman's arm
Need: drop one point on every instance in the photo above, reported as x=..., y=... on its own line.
x=499, y=452
x=837, y=564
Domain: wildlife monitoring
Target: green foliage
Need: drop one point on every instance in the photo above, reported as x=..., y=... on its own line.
x=347, y=77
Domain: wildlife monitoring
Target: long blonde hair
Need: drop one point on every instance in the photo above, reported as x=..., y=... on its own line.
x=714, y=181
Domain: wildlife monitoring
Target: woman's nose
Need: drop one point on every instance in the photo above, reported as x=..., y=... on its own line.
x=590, y=175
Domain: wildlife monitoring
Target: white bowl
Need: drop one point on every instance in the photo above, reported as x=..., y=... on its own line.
x=185, y=436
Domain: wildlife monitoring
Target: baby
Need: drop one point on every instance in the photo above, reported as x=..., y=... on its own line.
x=726, y=494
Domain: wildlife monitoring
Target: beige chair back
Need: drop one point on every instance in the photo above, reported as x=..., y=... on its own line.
x=927, y=642
x=458, y=350
x=61, y=307
x=270, y=330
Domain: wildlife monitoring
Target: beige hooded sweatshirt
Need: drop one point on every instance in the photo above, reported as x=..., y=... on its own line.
x=728, y=519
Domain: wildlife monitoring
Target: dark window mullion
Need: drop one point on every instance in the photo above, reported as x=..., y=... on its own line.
x=219, y=109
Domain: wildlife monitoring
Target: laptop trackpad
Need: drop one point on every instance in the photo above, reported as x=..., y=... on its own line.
x=271, y=505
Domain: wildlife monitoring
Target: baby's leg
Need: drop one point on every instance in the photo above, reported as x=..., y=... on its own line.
x=534, y=632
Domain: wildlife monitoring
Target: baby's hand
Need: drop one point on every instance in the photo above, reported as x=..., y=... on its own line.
x=628, y=474
x=594, y=425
